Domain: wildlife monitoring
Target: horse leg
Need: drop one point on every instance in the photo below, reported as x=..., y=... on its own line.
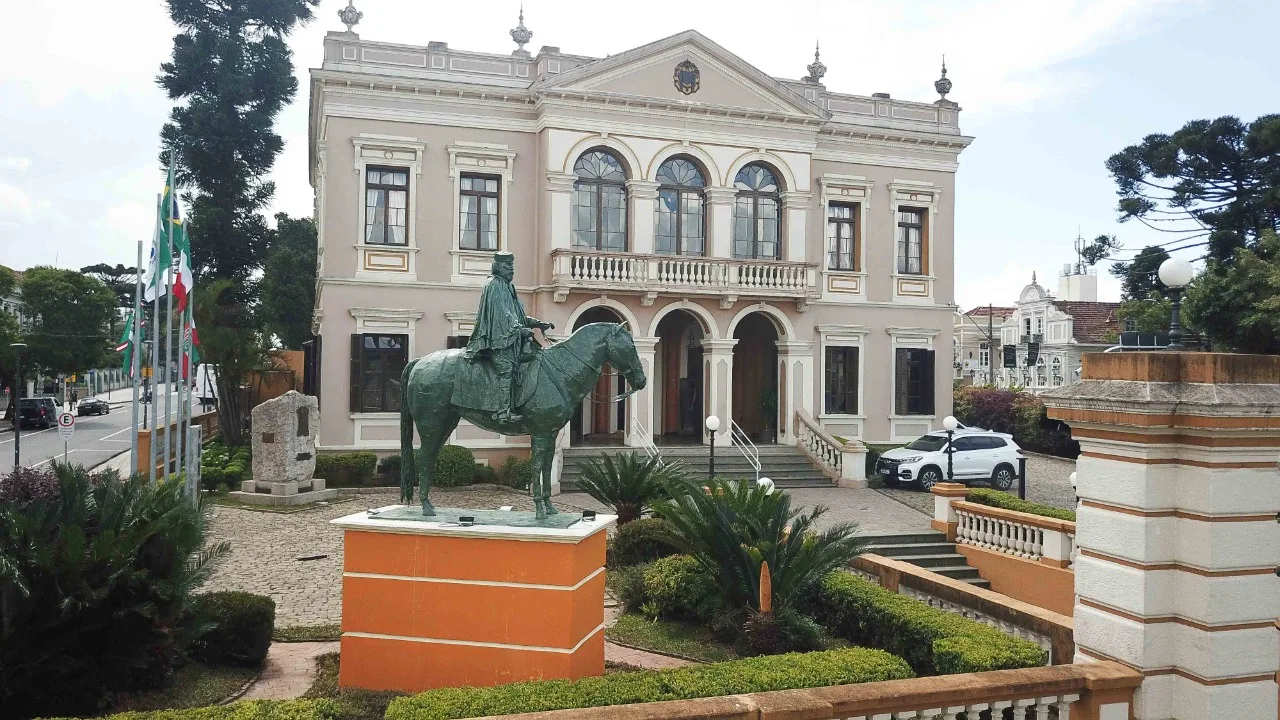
x=540, y=454
x=434, y=430
x=544, y=474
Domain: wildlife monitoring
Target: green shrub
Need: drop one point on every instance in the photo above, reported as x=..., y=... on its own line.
x=97, y=584
x=455, y=467
x=627, y=585
x=516, y=472
x=211, y=477
x=933, y=641
x=641, y=541
x=243, y=710
x=1009, y=501
x=233, y=473
x=351, y=469
x=485, y=474
x=628, y=483
x=240, y=628
x=764, y=674
x=679, y=588
x=390, y=465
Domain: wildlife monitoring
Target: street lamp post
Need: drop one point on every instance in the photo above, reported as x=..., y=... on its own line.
x=713, y=424
x=1175, y=273
x=950, y=424
x=17, y=398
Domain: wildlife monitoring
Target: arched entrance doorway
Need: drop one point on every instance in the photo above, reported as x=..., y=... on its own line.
x=600, y=421
x=677, y=378
x=755, y=377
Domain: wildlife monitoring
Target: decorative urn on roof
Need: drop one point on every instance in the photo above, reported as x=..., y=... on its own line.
x=943, y=85
x=521, y=35
x=350, y=16
x=816, y=68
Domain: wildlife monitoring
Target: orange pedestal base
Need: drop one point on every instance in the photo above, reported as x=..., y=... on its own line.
x=426, y=605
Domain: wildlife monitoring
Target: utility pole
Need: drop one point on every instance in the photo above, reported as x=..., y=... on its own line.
x=991, y=349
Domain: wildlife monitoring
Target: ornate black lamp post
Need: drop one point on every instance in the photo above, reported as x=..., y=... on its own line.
x=1175, y=273
x=949, y=423
x=713, y=424
x=17, y=397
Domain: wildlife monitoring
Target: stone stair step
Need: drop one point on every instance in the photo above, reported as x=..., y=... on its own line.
x=901, y=551
x=904, y=538
x=942, y=560
x=957, y=572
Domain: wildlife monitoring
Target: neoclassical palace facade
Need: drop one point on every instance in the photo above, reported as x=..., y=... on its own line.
x=779, y=251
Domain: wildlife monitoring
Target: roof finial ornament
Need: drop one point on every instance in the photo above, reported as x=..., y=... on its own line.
x=816, y=68
x=942, y=85
x=1033, y=277
x=521, y=35
x=350, y=16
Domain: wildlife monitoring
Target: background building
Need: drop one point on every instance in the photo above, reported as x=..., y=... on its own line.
x=776, y=248
x=1064, y=329
x=972, y=361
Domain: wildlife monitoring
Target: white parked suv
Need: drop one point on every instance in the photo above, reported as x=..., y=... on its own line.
x=977, y=455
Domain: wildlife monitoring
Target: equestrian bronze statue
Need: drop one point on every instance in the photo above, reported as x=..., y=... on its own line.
x=506, y=382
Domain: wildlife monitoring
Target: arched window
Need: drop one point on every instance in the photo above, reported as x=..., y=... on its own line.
x=756, y=216
x=600, y=202
x=680, y=220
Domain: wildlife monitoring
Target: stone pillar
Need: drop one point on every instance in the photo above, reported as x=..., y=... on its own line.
x=1177, y=536
x=945, y=519
x=641, y=194
x=642, y=401
x=795, y=378
x=560, y=185
x=795, y=206
x=720, y=217
x=718, y=377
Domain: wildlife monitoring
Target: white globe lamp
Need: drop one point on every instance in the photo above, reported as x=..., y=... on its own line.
x=713, y=423
x=949, y=423
x=1175, y=273
x=767, y=484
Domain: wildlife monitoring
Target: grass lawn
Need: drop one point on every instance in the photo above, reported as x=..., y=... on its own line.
x=308, y=633
x=193, y=686
x=669, y=638
x=352, y=704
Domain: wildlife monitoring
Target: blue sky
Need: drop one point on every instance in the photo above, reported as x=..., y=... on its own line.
x=1049, y=89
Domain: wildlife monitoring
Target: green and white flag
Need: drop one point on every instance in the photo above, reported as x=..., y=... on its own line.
x=126, y=345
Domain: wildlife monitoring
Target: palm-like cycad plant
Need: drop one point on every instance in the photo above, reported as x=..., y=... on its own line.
x=733, y=528
x=628, y=483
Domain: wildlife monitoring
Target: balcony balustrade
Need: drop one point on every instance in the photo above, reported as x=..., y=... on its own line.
x=728, y=278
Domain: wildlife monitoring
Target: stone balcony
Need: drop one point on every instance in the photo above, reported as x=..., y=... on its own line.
x=729, y=279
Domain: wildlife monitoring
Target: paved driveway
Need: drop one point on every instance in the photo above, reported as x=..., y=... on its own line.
x=1048, y=482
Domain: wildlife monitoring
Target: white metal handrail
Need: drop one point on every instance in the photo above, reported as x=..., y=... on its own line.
x=748, y=449
x=641, y=432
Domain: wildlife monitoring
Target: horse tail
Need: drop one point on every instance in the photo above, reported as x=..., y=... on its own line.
x=408, y=461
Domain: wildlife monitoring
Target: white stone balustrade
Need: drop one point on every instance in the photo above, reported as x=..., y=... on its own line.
x=845, y=461
x=1031, y=537
x=575, y=269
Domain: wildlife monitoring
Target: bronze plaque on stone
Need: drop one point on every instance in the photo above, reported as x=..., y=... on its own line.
x=268, y=437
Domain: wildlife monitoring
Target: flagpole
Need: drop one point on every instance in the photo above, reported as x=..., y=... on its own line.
x=168, y=323
x=135, y=360
x=155, y=348
x=184, y=399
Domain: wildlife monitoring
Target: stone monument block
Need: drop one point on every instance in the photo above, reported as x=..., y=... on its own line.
x=284, y=440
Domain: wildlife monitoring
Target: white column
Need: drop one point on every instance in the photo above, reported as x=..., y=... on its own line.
x=642, y=407
x=560, y=185
x=718, y=357
x=797, y=357
x=720, y=214
x=641, y=194
x=795, y=207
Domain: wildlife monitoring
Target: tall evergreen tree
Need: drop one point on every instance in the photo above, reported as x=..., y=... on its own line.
x=1140, y=276
x=288, y=286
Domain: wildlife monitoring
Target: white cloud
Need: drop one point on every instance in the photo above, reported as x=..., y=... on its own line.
x=18, y=164
x=15, y=202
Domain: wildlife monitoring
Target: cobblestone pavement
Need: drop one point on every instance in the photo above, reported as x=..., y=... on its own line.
x=289, y=670
x=1048, y=482
x=265, y=547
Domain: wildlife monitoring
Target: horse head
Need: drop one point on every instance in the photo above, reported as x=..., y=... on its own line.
x=620, y=348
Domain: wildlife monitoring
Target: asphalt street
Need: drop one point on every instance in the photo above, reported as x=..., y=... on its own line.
x=98, y=438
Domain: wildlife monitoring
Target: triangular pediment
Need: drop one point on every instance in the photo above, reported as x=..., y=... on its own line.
x=649, y=71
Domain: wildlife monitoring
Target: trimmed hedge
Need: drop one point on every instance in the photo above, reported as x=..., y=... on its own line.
x=1009, y=501
x=641, y=541
x=243, y=710
x=933, y=641
x=762, y=674
x=242, y=626
x=350, y=469
x=455, y=467
x=516, y=472
x=390, y=465
x=678, y=588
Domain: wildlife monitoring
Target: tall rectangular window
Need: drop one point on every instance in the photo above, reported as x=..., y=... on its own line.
x=376, y=364
x=842, y=237
x=841, y=386
x=910, y=241
x=478, y=212
x=386, y=206
x=913, y=381
x=984, y=356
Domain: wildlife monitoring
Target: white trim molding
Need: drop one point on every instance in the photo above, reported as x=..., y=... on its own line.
x=904, y=428
x=915, y=289
x=471, y=267
x=839, y=335
x=390, y=321
x=387, y=262
x=845, y=285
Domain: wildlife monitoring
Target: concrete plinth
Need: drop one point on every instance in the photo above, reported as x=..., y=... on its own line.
x=429, y=604
x=271, y=499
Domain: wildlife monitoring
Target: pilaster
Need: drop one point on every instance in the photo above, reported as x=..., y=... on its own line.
x=720, y=209
x=560, y=185
x=795, y=385
x=641, y=194
x=1176, y=529
x=718, y=374
x=642, y=401
x=795, y=208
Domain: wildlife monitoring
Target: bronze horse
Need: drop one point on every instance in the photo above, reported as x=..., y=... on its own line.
x=560, y=377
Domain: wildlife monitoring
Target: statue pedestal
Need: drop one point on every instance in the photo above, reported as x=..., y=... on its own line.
x=429, y=604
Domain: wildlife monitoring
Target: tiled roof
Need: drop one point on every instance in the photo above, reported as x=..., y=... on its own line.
x=997, y=311
x=1091, y=320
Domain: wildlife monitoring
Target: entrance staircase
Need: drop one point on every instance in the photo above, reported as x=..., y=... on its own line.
x=785, y=465
x=929, y=550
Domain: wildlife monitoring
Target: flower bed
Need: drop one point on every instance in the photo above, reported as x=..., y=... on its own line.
x=1007, y=501
x=761, y=674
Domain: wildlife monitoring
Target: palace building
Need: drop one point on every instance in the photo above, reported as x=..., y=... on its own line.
x=782, y=253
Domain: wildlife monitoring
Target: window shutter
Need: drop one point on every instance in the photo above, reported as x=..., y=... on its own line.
x=828, y=391
x=927, y=370
x=901, y=373
x=355, y=372
x=853, y=366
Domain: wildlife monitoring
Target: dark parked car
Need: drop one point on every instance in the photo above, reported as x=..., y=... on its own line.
x=41, y=412
x=93, y=406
